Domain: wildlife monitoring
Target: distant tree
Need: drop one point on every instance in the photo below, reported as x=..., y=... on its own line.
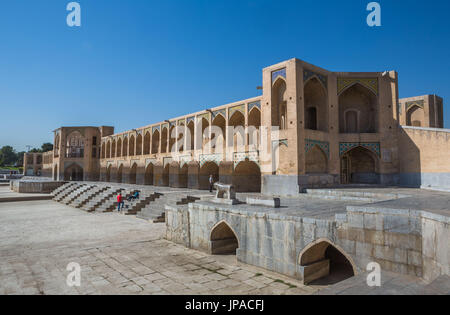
x=46, y=147
x=7, y=156
x=35, y=150
x=19, y=161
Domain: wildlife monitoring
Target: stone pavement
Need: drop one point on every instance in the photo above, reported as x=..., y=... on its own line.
x=118, y=255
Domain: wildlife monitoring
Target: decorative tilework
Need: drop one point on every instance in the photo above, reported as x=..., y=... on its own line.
x=167, y=160
x=325, y=146
x=216, y=158
x=414, y=103
x=164, y=126
x=189, y=119
x=307, y=74
x=150, y=161
x=253, y=105
x=344, y=147
x=222, y=112
x=205, y=115
x=242, y=156
x=232, y=110
x=181, y=122
x=156, y=128
x=278, y=73
x=184, y=159
x=370, y=83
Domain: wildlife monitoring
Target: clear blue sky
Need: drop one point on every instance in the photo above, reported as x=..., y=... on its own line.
x=137, y=62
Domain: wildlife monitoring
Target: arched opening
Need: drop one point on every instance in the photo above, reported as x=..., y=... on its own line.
x=204, y=136
x=132, y=144
x=351, y=121
x=279, y=104
x=165, y=175
x=108, y=149
x=180, y=138
x=311, y=118
x=155, y=142
x=254, y=124
x=218, y=134
x=172, y=140
x=120, y=174
x=164, y=135
x=74, y=173
x=364, y=102
x=75, y=146
x=359, y=166
x=103, y=150
x=223, y=240
x=119, y=147
x=147, y=143
x=324, y=263
x=132, y=177
x=139, y=145
x=149, y=175
x=415, y=116
x=108, y=174
x=237, y=123
x=56, y=151
x=125, y=147
x=316, y=105
x=190, y=135
x=316, y=161
x=183, y=176
x=113, y=149
x=209, y=168
x=247, y=177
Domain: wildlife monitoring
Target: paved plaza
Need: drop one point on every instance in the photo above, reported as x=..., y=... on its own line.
x=118, y=255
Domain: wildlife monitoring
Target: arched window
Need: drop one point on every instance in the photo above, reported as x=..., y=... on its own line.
x=279, y=104
x=75, y=145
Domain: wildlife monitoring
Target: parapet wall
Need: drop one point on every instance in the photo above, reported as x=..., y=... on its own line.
x=424, y=155
x=34, y=187
x=403, y=241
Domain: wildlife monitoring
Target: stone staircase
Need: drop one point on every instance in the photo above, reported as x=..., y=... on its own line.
x=99, y=197
x=155, y=211
x=63, y=194
x=108, y=195
x=76, y=194
x=87, y=196
x=57, y=192
x=133, y=207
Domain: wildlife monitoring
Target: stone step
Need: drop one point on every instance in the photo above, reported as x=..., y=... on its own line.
x=67, y=192
x=76, y=194
x=82, y=200
x=57, y=192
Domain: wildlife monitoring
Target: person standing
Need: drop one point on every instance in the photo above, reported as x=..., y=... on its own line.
x=211, y=183
x=120, y=202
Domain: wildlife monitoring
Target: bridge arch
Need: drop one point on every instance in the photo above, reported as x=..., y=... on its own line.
x=223, y=239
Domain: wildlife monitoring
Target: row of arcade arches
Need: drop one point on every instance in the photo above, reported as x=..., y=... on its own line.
x=171, y=139
x=246, y=176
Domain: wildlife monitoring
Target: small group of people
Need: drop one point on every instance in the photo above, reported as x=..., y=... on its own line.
x=121, y=203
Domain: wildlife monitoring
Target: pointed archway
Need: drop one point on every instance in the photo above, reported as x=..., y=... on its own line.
x=223, y=240
x=324, y=263
x=359, y=166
